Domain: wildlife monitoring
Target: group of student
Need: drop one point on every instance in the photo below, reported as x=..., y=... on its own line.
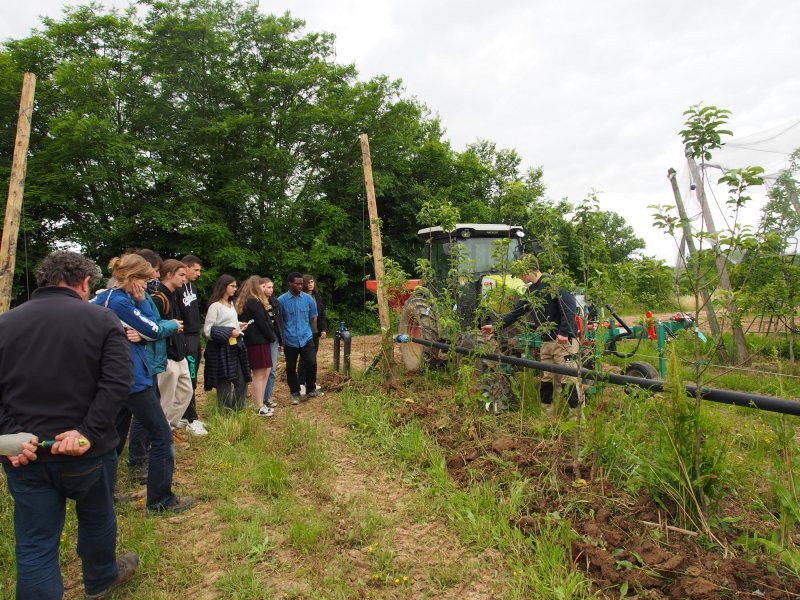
x=246, y=327
x=156, y=300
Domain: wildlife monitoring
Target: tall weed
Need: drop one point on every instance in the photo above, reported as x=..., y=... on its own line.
x=551, y=574
x=688, y=463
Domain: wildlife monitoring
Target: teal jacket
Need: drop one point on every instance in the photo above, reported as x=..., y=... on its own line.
x=156, y=350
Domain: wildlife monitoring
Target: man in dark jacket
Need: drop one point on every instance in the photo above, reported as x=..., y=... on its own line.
x=65, y=370
x=551, y=312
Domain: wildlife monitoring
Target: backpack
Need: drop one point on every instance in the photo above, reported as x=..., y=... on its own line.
x=164, y=300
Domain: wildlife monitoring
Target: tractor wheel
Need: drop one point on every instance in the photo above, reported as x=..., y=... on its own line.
x=640, y=369
x=418, y=320
x=643, y=370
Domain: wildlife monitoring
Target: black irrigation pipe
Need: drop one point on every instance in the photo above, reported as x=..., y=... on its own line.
x=783, y=406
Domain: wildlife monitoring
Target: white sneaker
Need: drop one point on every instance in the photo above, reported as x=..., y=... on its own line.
x=197, y=428
x=302, y=389
x=271, y=403
x=319, y=387
x=182, y=424
x=264, y=411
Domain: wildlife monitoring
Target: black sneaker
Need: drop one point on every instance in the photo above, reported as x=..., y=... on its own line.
x=183, y=503
x=127, y=564
x=315, y=394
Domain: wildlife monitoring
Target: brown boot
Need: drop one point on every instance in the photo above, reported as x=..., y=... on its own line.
x=180, y=440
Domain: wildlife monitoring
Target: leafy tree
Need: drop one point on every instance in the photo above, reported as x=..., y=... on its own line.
x=769, y=275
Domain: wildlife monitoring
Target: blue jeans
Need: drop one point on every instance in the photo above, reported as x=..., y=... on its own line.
x=147, y=410
x=274, y=346
x=139, y=442
x=40, y=490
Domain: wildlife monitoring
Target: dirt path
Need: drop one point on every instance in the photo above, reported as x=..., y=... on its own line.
x=423, y=548
x=422, y=544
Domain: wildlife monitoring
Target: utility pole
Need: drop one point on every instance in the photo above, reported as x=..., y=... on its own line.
x=688, y=239
x=740, y=352
x=16, y=187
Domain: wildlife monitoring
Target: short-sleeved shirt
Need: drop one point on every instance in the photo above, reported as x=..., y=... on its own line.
x=297, y=314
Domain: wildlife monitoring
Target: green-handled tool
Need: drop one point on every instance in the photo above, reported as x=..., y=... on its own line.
x=11, y=444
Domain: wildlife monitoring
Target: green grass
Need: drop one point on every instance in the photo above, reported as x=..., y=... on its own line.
x=481, y=513
x=308, y=532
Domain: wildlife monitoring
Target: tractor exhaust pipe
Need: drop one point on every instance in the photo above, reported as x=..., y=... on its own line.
x=783, y=406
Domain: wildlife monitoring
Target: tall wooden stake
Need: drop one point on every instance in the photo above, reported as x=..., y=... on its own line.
x=387, y=347
x=740, y=352
x=375, y=231
x=688, y=239
x=16, y=187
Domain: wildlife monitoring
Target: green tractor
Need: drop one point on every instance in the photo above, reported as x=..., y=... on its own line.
x=479, y=278
x=478, y=275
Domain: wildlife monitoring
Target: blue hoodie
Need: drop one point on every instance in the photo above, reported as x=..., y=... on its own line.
x=140, y=316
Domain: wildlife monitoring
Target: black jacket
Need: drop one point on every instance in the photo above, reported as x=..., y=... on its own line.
x=261, y=331
x=550, y=310
x=64, y=364
x=277, y=311
x=223, y=360
x=166, y=302
x=321, y=324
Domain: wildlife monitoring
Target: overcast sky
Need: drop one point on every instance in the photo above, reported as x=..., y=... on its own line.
x=592, y=91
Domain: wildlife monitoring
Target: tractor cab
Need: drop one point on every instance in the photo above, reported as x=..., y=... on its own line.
x=479, y=241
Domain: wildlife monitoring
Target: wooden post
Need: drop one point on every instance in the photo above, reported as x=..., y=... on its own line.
x=688, y=239
x=740, y=352
x=16, y=187
x=375, y=231
x=387, y=346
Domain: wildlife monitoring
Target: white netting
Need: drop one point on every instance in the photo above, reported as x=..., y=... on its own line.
x=770, y=149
